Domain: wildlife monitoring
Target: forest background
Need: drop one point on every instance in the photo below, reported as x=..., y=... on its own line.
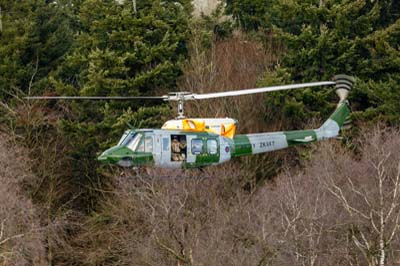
x=335, y=203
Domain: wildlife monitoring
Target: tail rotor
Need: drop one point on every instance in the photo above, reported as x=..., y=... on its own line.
x=343, y=85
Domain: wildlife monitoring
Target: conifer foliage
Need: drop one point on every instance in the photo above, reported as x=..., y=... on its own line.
x=120, y=49
x=34, y=37
x=327, y=37
x=123, y=51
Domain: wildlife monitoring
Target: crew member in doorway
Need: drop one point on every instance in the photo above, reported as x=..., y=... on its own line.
x=177, y=148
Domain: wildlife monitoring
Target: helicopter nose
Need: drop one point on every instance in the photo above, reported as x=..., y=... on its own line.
x=115, y=154
x=103, y=158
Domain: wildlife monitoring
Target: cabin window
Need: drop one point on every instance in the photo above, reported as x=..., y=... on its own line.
x=197, y=146
x=148, y=144
x=165, y=144
x=212, y=146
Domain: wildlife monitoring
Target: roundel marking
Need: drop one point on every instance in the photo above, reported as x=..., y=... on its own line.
x=227, y=149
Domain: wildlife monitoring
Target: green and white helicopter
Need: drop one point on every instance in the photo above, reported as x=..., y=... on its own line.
x=198, y=142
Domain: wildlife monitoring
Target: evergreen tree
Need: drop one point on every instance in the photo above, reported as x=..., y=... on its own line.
x=35, y=36
x=250, y=15
x=359, y=38
x=125, y=50
x=327, y=37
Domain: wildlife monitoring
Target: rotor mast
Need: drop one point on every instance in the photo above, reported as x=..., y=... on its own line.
x=181, y=114
x=180, y=97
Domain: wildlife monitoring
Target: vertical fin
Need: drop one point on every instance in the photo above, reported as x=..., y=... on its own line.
x=332, y=126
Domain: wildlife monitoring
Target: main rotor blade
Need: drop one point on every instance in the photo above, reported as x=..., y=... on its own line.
x=178, y=96
x=258, y=90
x=95, y=98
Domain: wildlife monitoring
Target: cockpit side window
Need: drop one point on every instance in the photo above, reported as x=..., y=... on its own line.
x=134, y=142
x=145, y=144
x=128, y=139
x=148, y=144
x=140, y=147
x=124, y=137
x=138, y=142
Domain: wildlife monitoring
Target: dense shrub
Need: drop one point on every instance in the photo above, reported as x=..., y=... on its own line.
x=22, y=238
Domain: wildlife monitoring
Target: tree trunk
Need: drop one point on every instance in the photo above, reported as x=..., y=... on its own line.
x=1, y=23
x=134, y=5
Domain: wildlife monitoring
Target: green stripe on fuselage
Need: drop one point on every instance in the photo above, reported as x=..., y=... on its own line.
x=143, y=159
x=241, y=146
x=120, y=153
x=205, y=158
x=114, y=154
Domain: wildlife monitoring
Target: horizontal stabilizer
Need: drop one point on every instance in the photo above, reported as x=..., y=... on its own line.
x=305, y=140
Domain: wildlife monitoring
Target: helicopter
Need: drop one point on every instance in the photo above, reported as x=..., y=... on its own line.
x=199, y=142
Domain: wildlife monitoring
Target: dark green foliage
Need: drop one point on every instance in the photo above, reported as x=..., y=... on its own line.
x=216, y=24
x=34, y=38
x=74, y=47
x=119, y=51
x=358, y=38
x=329, y=37
x=250, y=14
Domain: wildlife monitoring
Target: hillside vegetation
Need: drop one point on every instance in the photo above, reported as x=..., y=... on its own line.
x=22, y=239
x=335, y=203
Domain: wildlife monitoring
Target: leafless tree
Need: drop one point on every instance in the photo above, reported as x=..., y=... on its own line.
x=302, y=230
x=340, y=209
x=21, y=234
x=368, y=190
x=231, y=64
x=34, y=147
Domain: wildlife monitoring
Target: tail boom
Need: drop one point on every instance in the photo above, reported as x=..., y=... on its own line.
x=265, y=142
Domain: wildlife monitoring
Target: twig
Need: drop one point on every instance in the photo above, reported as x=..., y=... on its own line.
x=33, y=75
x=10, y=238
